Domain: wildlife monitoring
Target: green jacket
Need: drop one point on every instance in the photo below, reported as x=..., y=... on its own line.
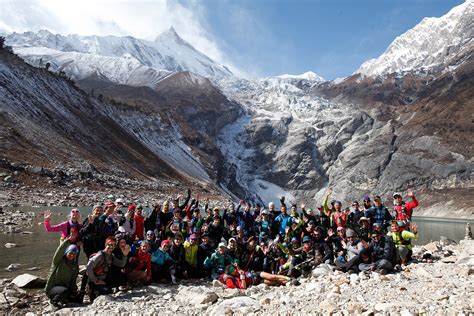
x=63, y=272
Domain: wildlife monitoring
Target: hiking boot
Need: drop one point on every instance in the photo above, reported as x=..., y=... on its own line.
x=383, y=272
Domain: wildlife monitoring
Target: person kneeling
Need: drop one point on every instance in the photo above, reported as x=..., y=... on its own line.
x=61, y=286
x=99, y=265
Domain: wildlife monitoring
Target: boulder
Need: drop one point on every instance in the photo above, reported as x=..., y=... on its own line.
x=196, y=295
x=240, y=305
x=9, y=245
x=432, y=247
x=29, y=281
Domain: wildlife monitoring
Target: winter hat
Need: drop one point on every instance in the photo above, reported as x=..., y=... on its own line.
x=108, y=204
x=71, y=248
x=165, y=242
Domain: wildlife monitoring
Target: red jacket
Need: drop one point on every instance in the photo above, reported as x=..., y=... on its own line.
x=143, y=260
x=139, y=222
x=409, y=206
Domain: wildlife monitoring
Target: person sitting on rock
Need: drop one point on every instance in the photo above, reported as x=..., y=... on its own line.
x=402, y=240
x=381, y=251
x=217, y=262
x=322, y=246
x=236, y=278
x=162, y=263
x=252, y=257
x=404, y=211
x=352, y=249
x=139, y=268
x=379, y=214
x=61, y=286
x=99, y=265
x=69, y=229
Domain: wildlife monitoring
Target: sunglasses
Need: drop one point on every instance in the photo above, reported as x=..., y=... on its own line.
x=74, y=211
x=111, y=245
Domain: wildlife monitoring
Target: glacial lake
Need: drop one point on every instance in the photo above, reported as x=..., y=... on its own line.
x=37, y=249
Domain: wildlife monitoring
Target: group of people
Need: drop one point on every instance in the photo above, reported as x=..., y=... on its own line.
x=237, y=246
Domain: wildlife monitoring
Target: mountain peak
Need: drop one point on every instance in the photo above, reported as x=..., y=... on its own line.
x=433, y=45
x=170, y=35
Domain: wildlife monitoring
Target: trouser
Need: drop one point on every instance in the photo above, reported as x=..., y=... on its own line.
x=379, y=265
x=159, y=272
x=349, y=265
x=58, y=294
x=403, y=253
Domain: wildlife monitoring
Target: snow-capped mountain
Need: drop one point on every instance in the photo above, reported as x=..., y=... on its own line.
x=309, y=75
x=431, y=46
x=168, y=52
x=124, y=70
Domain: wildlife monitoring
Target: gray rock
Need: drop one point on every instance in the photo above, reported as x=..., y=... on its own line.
x=196, y=295
x=13, y=266
x=241, y=304
x=28, y=281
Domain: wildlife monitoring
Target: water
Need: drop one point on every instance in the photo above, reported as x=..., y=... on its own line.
x=37, y=249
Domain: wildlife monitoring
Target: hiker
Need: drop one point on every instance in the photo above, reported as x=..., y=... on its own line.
x=404, y=211
x=402, y=240
x=68, y=229
x=61, y=287
x=163, y=263
x=381, y=251
x=139, y=221
x=99, y=265
x=191, y=256
x=139, y=268
x=378, y=213
x=350, y=260
x=217, y=262
x=126, y=222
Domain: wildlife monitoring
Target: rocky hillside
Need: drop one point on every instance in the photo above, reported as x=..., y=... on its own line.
x=54, y=135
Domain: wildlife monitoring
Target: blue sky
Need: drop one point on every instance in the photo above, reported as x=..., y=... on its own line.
x=253, y=37
x=331, y=38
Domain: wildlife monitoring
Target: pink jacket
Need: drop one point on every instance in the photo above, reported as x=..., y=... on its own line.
x=66, y=228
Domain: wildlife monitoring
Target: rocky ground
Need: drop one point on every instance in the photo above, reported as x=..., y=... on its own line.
x=441, y=283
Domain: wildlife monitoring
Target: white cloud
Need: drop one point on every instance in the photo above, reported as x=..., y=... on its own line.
x=139, y=18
